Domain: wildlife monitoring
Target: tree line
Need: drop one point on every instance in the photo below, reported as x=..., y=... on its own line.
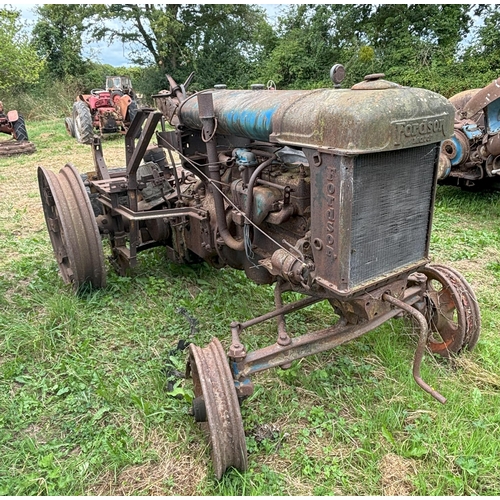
x=443, y=47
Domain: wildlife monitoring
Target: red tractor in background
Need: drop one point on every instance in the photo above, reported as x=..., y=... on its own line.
x=107, y=111
x=13, y=124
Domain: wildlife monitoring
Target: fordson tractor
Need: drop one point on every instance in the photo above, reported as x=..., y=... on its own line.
x=107, y=111
x=327, y=193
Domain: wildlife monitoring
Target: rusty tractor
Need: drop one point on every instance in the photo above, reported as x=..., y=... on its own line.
x=107, y=111
x=326, y=192
x=13, y=124
x=471, y=158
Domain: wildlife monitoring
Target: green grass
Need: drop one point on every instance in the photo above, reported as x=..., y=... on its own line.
x=84, y=407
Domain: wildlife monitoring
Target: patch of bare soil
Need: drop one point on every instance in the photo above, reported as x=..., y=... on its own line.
x=476, y=374
x=396, y=473
x=175, y=472
x=173, y=476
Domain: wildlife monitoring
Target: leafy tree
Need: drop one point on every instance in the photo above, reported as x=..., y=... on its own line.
x=19, y=64
x=221, y=41
x=414, y=44
x=58, y=37
x=417, y=44
x=314, y=37
x=230, y=44
x=150, y=31
x=481, y=60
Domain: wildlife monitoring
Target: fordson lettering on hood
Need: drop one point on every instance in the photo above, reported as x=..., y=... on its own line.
x=416, y=132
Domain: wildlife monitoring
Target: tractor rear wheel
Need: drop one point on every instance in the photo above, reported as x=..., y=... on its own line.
x=20, y=129
x=131, y=112
x=82, y=120
x=72, y=227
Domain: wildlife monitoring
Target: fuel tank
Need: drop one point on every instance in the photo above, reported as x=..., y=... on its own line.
x=372, y=116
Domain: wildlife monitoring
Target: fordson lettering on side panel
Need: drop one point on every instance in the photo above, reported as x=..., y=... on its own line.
x=330, y=225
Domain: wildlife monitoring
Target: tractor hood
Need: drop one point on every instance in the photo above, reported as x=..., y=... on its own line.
x=371, y=117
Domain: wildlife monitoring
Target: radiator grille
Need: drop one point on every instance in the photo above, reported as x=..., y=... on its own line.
x=392, y=194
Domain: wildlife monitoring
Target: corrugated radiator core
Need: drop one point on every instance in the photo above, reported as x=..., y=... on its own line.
x=390, y=220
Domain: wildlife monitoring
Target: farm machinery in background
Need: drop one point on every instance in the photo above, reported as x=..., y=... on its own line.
x=107, y=111
x=471, y=158
x=328, y=193
x=13, y=124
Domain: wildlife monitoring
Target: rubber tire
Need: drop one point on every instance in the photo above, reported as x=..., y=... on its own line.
x=116, y=93
x=82, y=120
x=70, y=126
x=131, y=112
x=20, y=129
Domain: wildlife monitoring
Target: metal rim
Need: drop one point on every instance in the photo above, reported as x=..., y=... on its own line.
x=72, y=227
x=213, y=382
x=453, y=312
x=470, y=305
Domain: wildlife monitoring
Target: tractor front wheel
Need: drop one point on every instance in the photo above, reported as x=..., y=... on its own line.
x=70, y=126
x=82, y=122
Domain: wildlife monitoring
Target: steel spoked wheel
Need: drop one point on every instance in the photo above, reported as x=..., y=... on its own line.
x=470, y=305
x=216, y=404
x=453, y=312
x=72, y=227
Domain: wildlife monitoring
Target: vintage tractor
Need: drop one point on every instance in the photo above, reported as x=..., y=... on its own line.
x=122, y=84
x=13, y=124
x=328, y=193
x=471, y=158
x=108, y=111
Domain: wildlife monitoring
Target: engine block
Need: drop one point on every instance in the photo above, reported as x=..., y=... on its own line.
x=351, y=196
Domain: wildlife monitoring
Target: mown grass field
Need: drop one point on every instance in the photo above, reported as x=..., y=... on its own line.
x=84, y=407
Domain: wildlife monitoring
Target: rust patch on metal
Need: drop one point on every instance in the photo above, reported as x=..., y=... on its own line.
x=453, y=311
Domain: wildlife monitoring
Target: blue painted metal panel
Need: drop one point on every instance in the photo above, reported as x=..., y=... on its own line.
x=493, y=117
x=256, y=123
x=472, y=131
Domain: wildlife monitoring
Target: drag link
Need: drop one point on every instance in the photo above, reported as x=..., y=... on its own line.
x=237, y=350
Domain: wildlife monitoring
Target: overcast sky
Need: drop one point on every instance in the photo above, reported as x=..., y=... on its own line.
x=116, y=53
